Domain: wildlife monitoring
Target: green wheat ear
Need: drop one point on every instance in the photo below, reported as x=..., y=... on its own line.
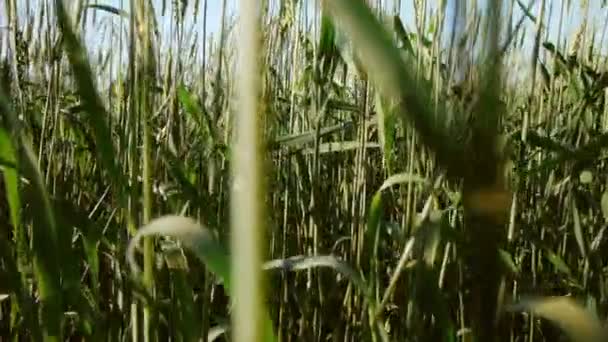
x=580, y=324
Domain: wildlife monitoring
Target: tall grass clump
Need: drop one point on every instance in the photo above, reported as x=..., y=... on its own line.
x=302, y=171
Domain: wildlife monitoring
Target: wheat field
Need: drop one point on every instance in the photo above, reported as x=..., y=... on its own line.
x=331, y=170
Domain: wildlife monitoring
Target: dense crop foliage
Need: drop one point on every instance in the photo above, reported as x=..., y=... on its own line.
x=390, y=185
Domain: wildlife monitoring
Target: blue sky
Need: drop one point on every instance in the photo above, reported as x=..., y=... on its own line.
x=214, y=10
x=597, y=16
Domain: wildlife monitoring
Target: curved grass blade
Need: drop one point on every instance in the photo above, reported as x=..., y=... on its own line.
x=508, y=262
x=386, y=69
x=557, y=262
x=201, y=242
x=298, y=263
x=193, y=236
x=579, y=324
x=401, y=178
x=375, y=217
x=217, y=331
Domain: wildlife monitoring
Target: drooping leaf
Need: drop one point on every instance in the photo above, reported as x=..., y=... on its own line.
x=193, y=236
x=401, y=178
x=307, y=262
x=558, y=262
x=396, y=81
x=201, y=242
x=579, y=324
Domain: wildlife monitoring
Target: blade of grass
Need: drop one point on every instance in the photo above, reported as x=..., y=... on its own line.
x=579, y=324
x=394, y=80
x=204, y=246
x=46, y=255
x=91, y=102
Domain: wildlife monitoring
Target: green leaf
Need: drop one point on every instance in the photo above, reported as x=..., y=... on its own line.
x=91, y=102
x=386, y=130
x=197, y=239
x=388, y=72
x=372, y=236
x=507, y=260
x=376, y=207
x=328, y=51
x=558, y=262
x=45, y=242
x=194, y=237
x=401, y=178
x=192, y=107
x=11, y=179
x=373, y=220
